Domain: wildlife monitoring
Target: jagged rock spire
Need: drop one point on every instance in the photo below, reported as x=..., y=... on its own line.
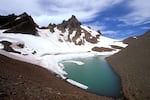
x=74, y=22
x=71, y=24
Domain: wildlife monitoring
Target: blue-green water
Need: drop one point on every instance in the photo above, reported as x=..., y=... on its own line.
x=96, y=74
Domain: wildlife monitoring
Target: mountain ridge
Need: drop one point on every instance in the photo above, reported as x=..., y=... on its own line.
x=25, y=24
x=22, y=23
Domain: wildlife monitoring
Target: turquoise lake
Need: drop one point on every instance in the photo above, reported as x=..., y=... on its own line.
x=96, y=74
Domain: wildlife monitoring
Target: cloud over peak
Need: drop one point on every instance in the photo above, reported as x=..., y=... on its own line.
x=45, y=11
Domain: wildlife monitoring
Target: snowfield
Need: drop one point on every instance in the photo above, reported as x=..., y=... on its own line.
x=48, y=51
x=75, y=62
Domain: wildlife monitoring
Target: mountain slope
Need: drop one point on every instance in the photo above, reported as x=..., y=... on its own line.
x=133, y=66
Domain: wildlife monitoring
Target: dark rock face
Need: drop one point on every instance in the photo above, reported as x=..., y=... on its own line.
x=101, y=49
x=6, y=19
x=7, y=46
x=51, y=27
x=43, y=27
x=19, y=24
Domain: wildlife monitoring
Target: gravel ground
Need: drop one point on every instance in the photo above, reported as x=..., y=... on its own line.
x=133, y=66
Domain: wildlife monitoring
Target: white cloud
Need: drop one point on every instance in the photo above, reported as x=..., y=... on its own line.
x=119, y=34
x=140, y=13
x=45, y=11
x=18, y=7
x=105, y=31
x=110, y=32
x=96, y=26
x=146, y=27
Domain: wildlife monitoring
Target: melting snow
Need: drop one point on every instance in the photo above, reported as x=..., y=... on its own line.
x=77, y=84
x=75, y=62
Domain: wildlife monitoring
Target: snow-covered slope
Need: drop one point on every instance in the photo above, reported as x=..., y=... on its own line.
x=47, y=48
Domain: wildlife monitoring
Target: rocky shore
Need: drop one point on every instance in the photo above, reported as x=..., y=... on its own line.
x=133, y=66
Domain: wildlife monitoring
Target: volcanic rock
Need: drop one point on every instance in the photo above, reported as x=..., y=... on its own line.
x=102, y=49
x=6, y=19
x=19, y=24
x=73, y=25
x=51, y=27
x=7, y=46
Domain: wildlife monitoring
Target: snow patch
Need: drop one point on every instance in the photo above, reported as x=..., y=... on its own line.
x=75, y=62
x=1, y=46
x=135, y=37
x=18, y=18
x=77, y=84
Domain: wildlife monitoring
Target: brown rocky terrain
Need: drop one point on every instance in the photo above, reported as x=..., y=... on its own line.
x=133, y=66
x=101, y=49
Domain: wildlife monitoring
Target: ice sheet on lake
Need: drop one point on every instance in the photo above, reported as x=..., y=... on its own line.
x=75, y=62
x=77, y=84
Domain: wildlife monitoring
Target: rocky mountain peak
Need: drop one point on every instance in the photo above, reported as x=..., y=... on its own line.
x=19, y=24
x=74, y=22
x=75, y=33
x=71, y=24
x=23, y=14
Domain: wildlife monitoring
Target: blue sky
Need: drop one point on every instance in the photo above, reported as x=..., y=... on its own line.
x=114, y=18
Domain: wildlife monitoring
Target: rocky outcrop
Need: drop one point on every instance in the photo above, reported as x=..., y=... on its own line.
x=102, y=49
x=6, y=19
x=90, y=38
x=7, y=46
x=19, y=24
x=51, y=27
x=116, y=47
x=73, y=25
